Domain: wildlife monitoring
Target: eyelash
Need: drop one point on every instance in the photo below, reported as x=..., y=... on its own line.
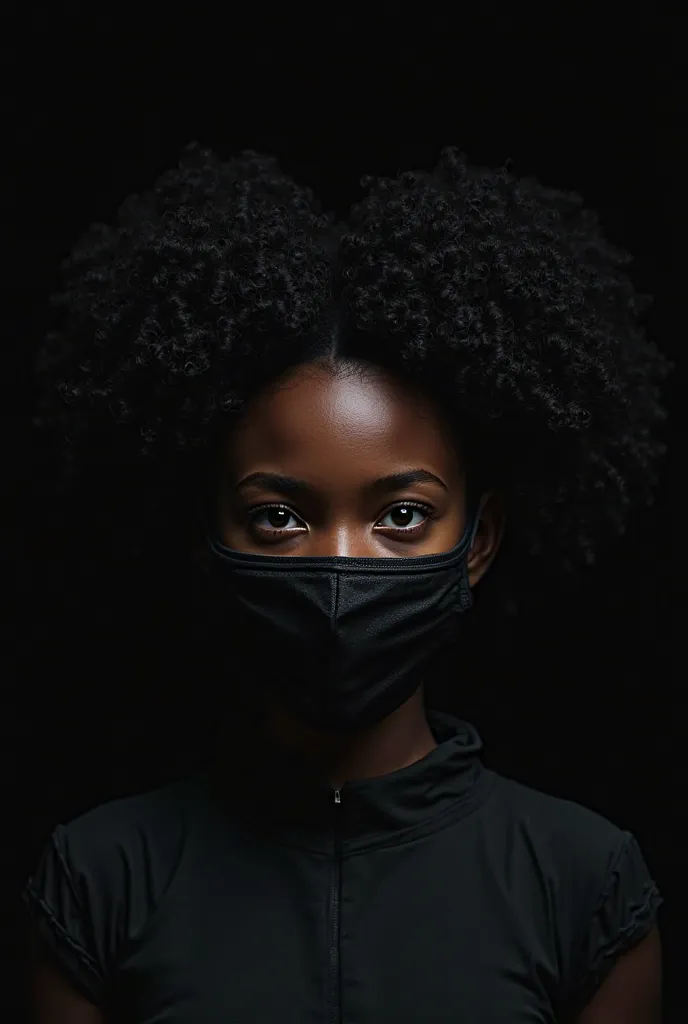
x=428, y=510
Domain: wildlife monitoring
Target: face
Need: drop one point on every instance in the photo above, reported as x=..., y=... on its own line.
x=347, y=463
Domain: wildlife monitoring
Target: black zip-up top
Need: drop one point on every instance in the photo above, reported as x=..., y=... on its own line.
x=442, y=892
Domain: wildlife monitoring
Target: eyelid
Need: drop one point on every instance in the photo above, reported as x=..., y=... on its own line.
x=411, y=503
x=254, y=511
x=273, y=504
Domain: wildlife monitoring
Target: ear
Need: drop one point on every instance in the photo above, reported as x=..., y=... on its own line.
x=488, y=537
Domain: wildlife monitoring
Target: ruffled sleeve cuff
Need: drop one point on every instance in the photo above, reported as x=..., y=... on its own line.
x=56, y=909
x=625, y=913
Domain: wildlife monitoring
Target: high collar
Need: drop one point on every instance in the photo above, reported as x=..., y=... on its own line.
x=271, y=791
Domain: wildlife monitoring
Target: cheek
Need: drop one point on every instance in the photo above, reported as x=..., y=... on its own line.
x=446, y=535
x=455, y=530
x=229, y=523
x=235, y=536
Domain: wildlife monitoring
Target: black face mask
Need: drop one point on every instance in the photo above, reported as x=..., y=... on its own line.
x=342, y=642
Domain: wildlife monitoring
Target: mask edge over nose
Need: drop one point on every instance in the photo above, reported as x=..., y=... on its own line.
x=294, y=606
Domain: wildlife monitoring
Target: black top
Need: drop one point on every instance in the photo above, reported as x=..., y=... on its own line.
x=440, y=892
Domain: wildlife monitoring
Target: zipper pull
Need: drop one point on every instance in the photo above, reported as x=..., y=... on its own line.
x=337, y=796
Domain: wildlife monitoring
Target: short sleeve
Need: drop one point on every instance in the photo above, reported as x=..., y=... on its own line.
x=65, y=915
x=100, y=880
x=625, y=912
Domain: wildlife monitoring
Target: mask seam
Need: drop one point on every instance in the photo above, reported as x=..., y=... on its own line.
x=334, y=577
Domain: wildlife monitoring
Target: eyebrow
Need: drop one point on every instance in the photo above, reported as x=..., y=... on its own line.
x=392, y=482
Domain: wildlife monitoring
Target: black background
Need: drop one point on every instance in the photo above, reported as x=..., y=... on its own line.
x=581, y=697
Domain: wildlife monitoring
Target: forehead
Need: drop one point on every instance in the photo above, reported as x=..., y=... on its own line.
x=315, y=412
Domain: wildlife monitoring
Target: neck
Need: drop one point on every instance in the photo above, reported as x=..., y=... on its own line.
x=399, y=740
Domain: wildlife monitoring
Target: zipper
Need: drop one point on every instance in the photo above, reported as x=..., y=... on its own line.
x=335, y=998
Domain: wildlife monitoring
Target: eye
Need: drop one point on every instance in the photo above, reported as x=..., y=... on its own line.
x=274, y=519
x=411, y=517
x=405, y=511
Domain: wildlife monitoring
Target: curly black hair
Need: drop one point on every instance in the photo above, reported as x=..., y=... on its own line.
x=499, y=296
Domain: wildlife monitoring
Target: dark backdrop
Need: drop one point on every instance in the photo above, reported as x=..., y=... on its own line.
x=580, y=696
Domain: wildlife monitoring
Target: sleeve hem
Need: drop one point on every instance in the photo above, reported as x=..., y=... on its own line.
x=75, y=961
x=640, y=925
x=636, y=929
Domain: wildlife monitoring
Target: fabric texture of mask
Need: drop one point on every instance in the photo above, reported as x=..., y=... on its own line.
x=342, y=641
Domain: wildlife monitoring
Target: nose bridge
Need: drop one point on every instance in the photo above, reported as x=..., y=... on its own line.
x=344, y=540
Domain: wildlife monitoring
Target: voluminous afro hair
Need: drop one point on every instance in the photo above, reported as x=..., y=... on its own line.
x=497, y=295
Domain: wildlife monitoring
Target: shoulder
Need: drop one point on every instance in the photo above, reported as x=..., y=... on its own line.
x=602, y=897
x=573, y=836
x=581, y=853
x=101, y=876
x=129, y=838
x=152, y=822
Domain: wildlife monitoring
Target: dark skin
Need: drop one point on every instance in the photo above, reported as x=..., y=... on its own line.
x=340, y=433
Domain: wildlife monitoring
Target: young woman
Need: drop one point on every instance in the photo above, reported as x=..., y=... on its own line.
x=368, y=408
